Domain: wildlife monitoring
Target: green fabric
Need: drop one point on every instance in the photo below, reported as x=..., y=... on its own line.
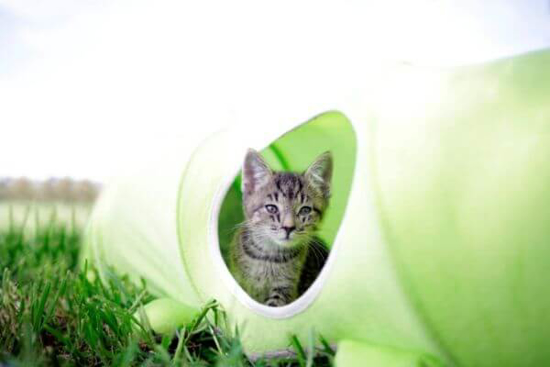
x=164, y=315
x=464, y=192
x=133, y=228
x=438, y=224
x=355, y=354
x=362, y=285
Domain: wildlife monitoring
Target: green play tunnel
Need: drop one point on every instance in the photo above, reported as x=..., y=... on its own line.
x=439, y=223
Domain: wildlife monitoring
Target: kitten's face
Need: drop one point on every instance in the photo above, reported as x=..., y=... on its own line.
x=284, y=208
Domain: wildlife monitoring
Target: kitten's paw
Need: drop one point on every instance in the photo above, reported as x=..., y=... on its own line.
x=275, y=302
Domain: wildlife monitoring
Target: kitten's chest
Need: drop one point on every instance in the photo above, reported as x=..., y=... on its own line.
x=263, y=272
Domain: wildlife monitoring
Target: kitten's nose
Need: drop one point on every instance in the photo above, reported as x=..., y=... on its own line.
x=288, y=230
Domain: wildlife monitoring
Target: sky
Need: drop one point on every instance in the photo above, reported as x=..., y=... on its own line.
x=87, y=86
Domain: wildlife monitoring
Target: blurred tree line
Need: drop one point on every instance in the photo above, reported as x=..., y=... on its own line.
x=53, y=189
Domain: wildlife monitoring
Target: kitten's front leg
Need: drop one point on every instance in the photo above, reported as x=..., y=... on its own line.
x=280, y=296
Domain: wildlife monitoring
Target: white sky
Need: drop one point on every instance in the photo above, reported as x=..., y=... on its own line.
x=86, y=86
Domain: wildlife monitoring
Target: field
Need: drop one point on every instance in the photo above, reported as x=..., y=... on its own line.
x=51, y=314
x=35, y=215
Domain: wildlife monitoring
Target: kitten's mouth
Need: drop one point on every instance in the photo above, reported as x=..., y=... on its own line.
x=289, y=241
x=282, y=238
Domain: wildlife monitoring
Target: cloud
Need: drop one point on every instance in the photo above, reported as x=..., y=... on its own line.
x=108, y=83
x=49, y=12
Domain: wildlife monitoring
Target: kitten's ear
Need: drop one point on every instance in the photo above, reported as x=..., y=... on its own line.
x=319, y=174
x=256, y=173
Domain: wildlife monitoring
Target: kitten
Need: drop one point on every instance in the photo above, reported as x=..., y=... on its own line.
x=275, y=255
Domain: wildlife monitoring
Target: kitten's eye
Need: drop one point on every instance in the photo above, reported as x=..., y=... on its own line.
x=272, y=209
x=305, y=210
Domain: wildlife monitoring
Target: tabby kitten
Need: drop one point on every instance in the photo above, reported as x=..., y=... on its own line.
x=275, y=255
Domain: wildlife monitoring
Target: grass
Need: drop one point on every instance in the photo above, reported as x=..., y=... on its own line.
x=53, y=315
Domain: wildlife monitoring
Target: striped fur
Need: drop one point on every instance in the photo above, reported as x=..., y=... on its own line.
x=275, y=255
